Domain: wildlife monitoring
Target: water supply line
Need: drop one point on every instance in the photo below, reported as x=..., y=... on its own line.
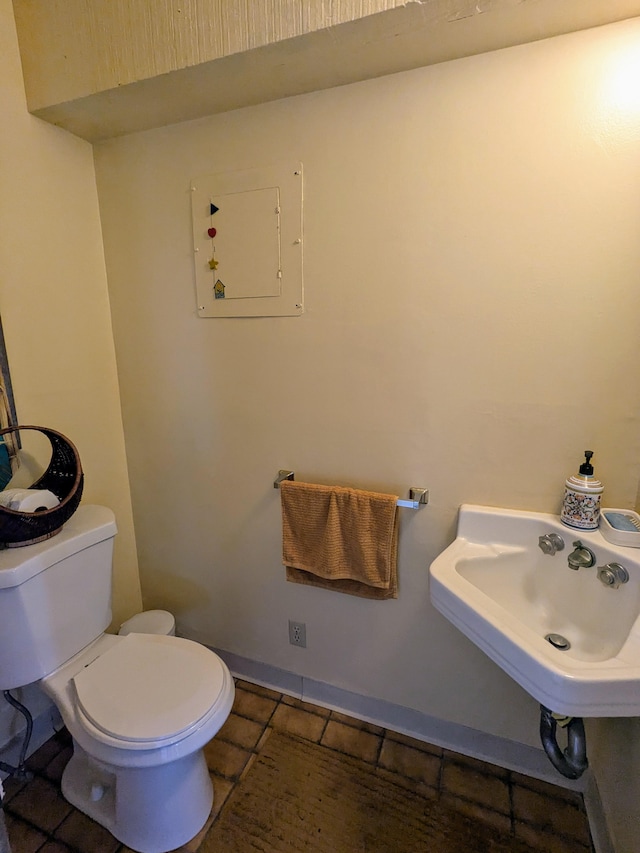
x=573, y=761
x=20, y=771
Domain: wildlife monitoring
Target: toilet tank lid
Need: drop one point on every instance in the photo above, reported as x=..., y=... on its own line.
x=87, y=526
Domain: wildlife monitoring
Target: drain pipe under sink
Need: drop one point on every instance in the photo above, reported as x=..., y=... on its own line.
x=573, y=761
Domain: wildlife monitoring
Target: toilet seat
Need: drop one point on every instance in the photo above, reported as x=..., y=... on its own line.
x=148, y=689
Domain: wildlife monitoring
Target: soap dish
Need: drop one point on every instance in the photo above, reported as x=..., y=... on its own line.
x=621, y=527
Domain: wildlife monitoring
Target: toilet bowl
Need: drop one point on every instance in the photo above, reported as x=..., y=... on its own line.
x=139, y=706
x=136, y=748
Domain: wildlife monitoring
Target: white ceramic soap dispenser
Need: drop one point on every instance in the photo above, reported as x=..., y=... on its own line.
x=581, y=504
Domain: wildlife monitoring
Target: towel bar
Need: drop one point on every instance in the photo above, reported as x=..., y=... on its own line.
x=417, y=497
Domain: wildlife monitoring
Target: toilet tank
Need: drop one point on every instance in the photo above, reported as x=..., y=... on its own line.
x=55, y=596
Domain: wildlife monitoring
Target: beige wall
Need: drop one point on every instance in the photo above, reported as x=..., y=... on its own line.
x=54, y=302
x=471, y=326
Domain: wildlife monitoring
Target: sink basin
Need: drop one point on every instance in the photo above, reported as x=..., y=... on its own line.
x=507, y=596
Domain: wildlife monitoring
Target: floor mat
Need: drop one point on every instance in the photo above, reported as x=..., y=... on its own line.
x=298, y=796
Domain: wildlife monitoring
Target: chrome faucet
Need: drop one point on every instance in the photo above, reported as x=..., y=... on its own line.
x=582, y=557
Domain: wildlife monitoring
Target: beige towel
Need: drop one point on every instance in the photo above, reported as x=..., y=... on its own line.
x=340, y=539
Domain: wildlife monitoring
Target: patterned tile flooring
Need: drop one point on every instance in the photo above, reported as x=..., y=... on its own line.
x=549, y=818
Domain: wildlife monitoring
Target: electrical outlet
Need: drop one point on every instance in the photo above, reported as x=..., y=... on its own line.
x=298, y=634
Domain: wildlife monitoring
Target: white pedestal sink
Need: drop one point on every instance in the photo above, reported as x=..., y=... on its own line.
x=496, y=585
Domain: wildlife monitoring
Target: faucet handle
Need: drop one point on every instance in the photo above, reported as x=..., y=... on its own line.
x=550, y=543
x=612, y=575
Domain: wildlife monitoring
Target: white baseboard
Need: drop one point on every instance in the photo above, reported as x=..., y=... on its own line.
x=597, y=820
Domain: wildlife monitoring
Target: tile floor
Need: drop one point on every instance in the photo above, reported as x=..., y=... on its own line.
x=549, y=818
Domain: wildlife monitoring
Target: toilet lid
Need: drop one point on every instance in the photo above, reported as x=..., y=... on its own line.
x=149, y=687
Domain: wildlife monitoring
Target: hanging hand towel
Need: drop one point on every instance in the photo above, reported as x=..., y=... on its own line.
x=341, y=539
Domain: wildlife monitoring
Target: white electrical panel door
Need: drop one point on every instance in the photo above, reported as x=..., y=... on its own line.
x=247, y=229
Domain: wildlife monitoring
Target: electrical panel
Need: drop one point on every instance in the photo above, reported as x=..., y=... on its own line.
x=247, y=239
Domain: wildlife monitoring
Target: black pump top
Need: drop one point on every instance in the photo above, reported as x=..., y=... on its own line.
x=587, y=467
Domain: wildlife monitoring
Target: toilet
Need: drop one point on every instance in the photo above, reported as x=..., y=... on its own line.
x=140, y=705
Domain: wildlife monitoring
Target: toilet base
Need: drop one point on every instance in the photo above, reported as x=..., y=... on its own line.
x=150, y=809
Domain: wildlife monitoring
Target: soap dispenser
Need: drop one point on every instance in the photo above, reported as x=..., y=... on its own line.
x=581, y=504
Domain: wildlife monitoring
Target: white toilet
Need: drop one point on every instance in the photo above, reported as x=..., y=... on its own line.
x=140, y=707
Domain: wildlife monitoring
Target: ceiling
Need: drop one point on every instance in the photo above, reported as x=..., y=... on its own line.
x=408, y=36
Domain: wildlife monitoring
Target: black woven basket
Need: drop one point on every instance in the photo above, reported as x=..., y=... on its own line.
x=63, y=477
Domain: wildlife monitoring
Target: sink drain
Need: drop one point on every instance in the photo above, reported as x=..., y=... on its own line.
x=558, y=641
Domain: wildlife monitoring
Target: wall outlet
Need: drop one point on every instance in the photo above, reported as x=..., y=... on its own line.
x=298, y=634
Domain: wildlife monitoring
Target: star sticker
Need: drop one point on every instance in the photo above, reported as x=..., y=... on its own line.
x=213, y=264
